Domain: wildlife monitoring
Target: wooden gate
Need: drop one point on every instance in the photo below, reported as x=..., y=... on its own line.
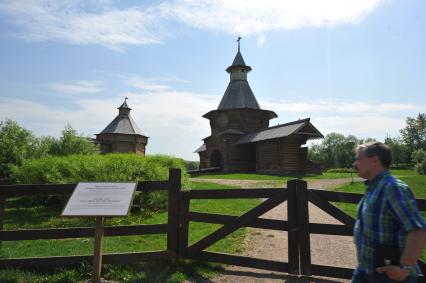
x=273, y=197
x=297, y=225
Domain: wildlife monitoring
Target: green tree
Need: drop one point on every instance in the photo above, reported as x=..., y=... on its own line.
x=414, y=133
x=70, y=143
x=335, y=151
x=400, y=152
x=16, y=145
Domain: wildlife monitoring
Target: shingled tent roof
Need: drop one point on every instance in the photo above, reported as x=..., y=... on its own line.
x=123, y=123
x=238, y=94
x=302, y=127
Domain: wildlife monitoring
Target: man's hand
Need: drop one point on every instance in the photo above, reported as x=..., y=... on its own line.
x=393, y=272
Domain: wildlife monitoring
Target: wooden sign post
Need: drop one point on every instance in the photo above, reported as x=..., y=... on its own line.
x=97, y=255
x=100, y=200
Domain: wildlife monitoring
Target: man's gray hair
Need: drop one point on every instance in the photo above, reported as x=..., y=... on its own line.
x=378, y=149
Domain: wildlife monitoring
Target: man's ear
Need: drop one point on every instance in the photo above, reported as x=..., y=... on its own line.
x=376, y=159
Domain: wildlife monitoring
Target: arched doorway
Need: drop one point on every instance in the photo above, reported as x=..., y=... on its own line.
x=216, y=158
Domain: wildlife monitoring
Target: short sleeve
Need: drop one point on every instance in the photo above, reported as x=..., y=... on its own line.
x=404, y=207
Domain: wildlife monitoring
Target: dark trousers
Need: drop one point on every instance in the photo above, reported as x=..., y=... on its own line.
x=360, y=276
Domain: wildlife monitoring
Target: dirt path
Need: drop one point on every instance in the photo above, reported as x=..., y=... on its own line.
x=270, y=244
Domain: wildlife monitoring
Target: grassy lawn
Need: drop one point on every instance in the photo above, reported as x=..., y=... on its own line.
x=416, y=182
x=18, y=217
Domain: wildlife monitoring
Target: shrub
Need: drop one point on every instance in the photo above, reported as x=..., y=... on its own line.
x=419, y=156
x=341, y=170
x=402, y=166
x=100, y=168
x=192, y=165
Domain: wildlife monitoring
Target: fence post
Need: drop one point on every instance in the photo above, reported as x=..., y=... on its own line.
x=303, y=224
x=2, y=208
x=183, y=223
x=173, y=212
x=293, y=237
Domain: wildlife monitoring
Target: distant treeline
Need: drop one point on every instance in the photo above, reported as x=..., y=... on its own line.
x=337, y=150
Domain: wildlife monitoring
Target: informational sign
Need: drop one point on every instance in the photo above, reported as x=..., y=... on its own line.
x=100, y=199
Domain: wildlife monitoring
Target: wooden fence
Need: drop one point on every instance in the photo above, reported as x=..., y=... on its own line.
x=297, y=226
x=172, y=185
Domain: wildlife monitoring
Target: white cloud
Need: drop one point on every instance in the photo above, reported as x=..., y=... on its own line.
x=77, y=87
x=100, y=22
x=143, y=84
x=261, y=40
x=362, y=119
x=248, y=17
x=338, y=107
x=86, y=22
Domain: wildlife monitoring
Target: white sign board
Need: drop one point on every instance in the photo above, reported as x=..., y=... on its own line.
x=100, y=199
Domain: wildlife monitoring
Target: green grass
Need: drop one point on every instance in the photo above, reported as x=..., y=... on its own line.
x=416, y=182
x=18, y=217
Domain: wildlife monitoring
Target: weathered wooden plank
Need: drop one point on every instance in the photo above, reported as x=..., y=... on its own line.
x=332, y=271
x=59, y=189
x=80, y=232
x=20, y=190
x=243, y=261
x=330, y=229
x=233, y=193
x=153, y=186
x=183, y=223
x=338, y=196
x=330, y=209
x=237, y=223
x=303, y=225
x=2, y=208
x=173, y=211
x=421, y=203
x=272, y=224
x=293, y=237
x=68, y=260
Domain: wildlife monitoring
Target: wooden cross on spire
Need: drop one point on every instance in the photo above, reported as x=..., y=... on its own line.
x=238, y=40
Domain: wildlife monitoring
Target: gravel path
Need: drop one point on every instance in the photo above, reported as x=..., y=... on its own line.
x=270, y=244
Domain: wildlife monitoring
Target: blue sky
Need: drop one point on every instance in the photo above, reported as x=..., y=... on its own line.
x=354, y=67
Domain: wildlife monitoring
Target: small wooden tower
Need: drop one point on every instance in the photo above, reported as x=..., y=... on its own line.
x=122, y=134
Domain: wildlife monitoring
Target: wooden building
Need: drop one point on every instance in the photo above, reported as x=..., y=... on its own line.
x=122, y=134
x=241, y=139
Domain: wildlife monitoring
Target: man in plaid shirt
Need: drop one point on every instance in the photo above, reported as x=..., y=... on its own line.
x=387, y=216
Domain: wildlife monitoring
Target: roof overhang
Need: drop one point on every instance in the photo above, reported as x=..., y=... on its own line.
x=270, y=114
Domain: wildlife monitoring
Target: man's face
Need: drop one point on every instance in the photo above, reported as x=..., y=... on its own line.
x=364, y=164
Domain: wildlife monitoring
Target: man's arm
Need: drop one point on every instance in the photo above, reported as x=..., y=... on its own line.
x=416, y=240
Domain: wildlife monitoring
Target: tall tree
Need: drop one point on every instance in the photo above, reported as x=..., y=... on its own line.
x=16, y=145
x=400, y=152
x=71, y=143
x=335, y=151
x=414, y=133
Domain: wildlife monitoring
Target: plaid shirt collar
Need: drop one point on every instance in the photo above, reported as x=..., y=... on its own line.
x=371, y=184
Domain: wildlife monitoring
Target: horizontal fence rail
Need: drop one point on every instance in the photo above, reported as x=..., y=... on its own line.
x=116, y=258
x=272, y=224
x=66, y=189
x=80, y=232
x=232, y=193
